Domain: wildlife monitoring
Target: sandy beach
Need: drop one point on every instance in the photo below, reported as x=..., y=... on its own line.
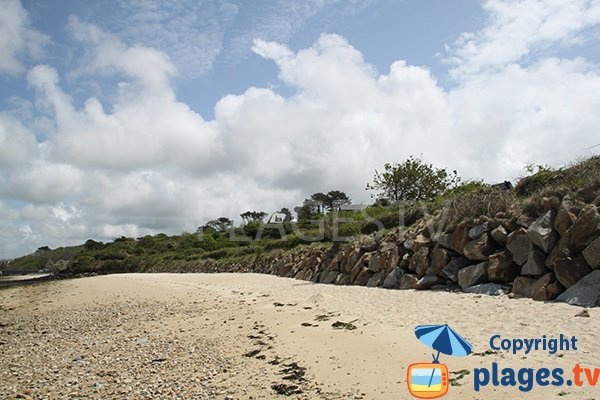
x=251, y=336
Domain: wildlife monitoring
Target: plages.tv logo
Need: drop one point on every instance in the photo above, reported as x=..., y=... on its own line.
x=430, y=380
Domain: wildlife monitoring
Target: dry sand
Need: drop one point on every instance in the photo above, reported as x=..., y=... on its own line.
x=239, y=336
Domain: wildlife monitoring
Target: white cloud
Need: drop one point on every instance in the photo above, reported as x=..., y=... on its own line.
x=17, y=38
x=517, y=29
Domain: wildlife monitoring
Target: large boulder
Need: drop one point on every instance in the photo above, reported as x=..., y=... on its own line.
x=502, y=268
x=429, y=281
x=523, y=286
x=470, y=276
x=368, y=243
x=585, y=293
x=519, y=244
x=440, y=257
x=376, y=279
x=363, y=277
x=570, y=270
x=459, y=238
x=385, y=260
x=536, y=263
x=592, y=254
x=583, y=232
x=542, y=232
x=451, y=270
x=491, y=289
x=499, y=235
x=419, y=262
x=546, y=288
x=566, y=215
x=478, y=230
x=479, y=249
x=408, y=281
x=392, y=280
x=362, y=262
x=328, y=277
x=350, y=261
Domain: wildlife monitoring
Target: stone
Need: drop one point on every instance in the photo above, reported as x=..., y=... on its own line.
x=568, y=270
x=566, y=215
x=384, y=260
x=376, y=279
x=519, y=244
x=440, y=257
x=499, y=235
x=342, y=279
x=368, y=243
x=419, y=262
x=428, y=281
x=351, y=259
x=491, y=289
x=479, y=249
x=450, y=271
x=525, y=220
x=585, y=293
x=459, y=239
x=583, y=232
x=363, y=277
x=502, y=268
x=592, y=253
x=472, y=275
x=536, y=263
x=363, y=261
x=408, y=281
x=392, y=280
x=542, y=232
x=546, y=288
x=328, y=277
x=476, y=231
x=445, y=240
x=523, y=286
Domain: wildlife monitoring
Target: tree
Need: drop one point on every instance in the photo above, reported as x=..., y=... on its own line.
x=336, y=198
x=320, y=200
x=412, y=180
x=306, y=211
x=220, y=224
x=252, y=216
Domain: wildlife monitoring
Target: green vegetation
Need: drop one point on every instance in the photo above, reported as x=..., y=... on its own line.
x=320, y=223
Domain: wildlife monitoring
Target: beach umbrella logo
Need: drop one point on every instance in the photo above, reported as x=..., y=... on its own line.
x=430, y=380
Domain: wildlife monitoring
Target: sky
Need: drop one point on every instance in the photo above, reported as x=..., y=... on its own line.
x=140, y=117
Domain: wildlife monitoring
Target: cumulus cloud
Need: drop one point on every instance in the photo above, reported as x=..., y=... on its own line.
x=144, y=162
x=17, y=37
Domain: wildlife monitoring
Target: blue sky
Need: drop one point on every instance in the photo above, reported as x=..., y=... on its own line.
x=132, y=118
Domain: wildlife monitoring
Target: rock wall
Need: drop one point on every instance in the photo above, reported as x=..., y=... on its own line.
x=553, y=257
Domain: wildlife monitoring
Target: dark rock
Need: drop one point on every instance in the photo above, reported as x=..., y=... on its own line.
x=472, y=275
x=384, y=260
x=408, y=281
x=477, y=231
x=523, y=286
x=585, y=230
x=479, y=249
x=499, y=235
x=536, y=263
x=568, y=270
x=419, y=262
x=328, y=277
x=502, y=268
x=440, y=257
x=525, y=220
x=542, y=232
x=445, y=240
x=566, y=215
x=459, y=239
x=363, y=277
x=585, y=293
x=342, y=279
x=392, y=280
x=428, y=281
x=492, y=289
x=456, y=264
x=376, y=279
x=519, y=245
x=368, y=243
x=546, y=288
x=592, y=254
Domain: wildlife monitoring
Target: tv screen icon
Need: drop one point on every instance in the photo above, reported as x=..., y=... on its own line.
x=427, y=380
